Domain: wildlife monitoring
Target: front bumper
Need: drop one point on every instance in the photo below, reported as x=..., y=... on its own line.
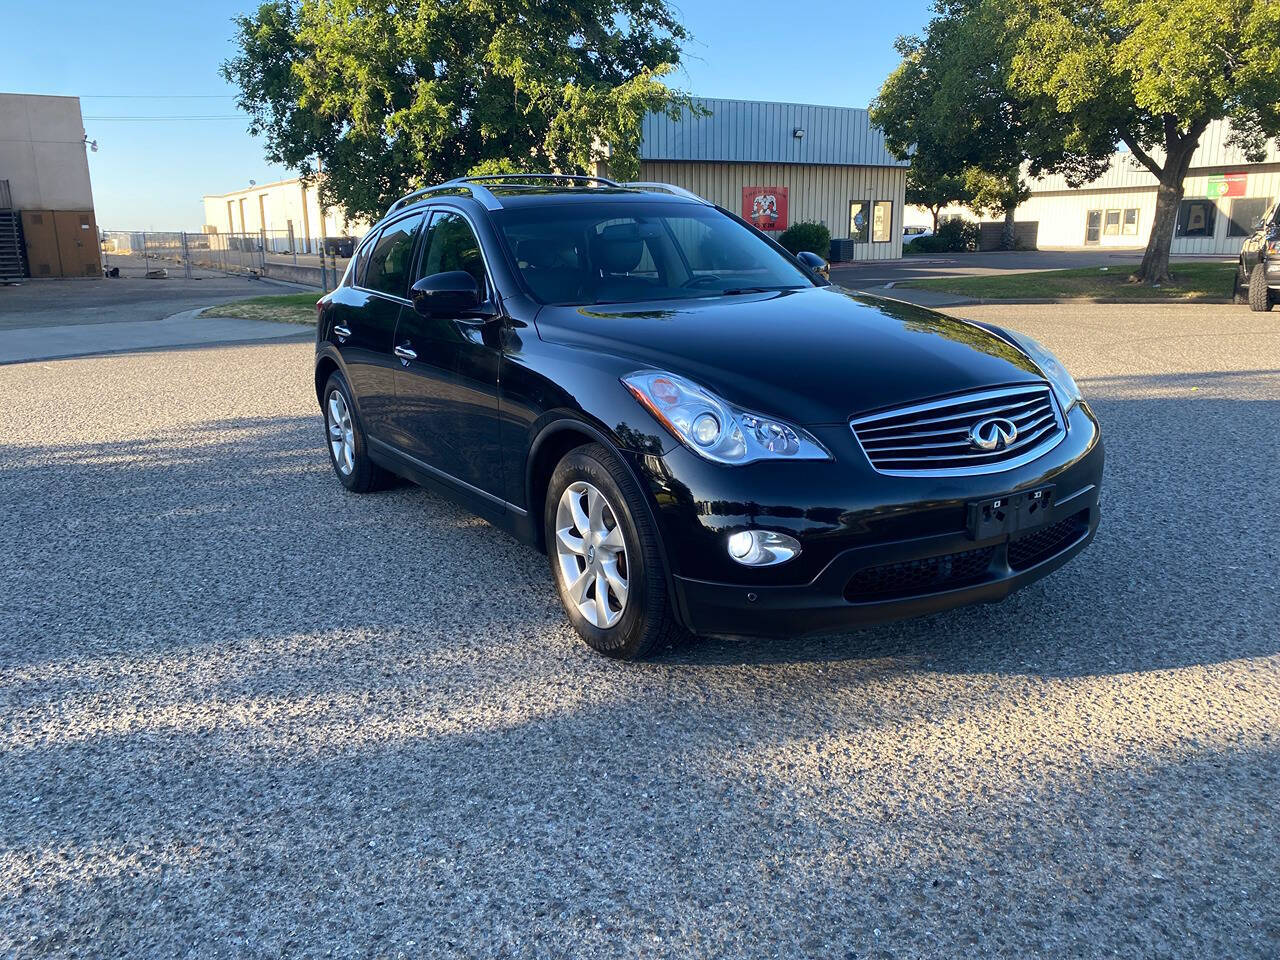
x=892, y=581
x=875, y=548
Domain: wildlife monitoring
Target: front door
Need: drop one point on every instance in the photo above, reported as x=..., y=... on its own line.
x=1093, y=227
x=447, y=392
x=365, y=313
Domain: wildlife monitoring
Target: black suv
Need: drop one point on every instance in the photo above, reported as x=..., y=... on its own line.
x=1258, y=274
x=703, y=434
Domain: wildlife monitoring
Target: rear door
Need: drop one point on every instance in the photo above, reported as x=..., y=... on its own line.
x=365, y=312
x=447, y=393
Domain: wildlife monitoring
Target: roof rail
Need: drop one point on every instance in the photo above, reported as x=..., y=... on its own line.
x=500, y=177
x=653, y=186
x=458, y=186
x=477, y=187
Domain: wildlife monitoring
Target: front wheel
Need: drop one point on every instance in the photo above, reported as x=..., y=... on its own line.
x=345, y=438
x=1259, y=293
x=605, y=556
x=1240, y=288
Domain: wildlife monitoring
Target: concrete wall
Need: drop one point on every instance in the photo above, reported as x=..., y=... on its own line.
x=814, y=192
x=42, y=152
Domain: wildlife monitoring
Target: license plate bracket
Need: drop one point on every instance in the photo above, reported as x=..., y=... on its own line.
x=1009, y=514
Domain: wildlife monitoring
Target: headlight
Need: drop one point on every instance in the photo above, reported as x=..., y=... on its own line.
x=712, y=428
x=1063, y=386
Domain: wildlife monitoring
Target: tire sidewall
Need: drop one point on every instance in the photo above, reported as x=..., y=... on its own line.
x=361, y=475
x=622, y=639
x=1259, y=293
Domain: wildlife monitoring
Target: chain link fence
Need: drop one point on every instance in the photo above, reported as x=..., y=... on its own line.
x=157, y=254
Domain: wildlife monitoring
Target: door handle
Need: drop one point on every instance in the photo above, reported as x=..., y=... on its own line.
x=342, y=331
x=404, y=353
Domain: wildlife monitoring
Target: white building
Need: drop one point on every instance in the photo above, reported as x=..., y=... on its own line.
x=1224, y=194
x=287, y=214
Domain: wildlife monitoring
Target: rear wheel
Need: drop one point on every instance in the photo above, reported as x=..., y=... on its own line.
x=605, y=556
x=345, y=439
x=1259, y=293
x=1240, y=288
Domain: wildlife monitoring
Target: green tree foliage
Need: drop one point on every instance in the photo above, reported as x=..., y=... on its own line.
x=1152, y=74
x=807, y=235
x=387, y=96
x=947, y=106
x=934, y=190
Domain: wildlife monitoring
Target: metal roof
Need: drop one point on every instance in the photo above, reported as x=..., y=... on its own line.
x=756, y=131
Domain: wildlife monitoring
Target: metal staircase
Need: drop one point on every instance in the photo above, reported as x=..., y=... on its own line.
x=13, y=260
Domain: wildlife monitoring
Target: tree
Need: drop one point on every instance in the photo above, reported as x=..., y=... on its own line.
x=934, y=191
x=996, y=194
x=385, y=96
x=1152, y=74
x=948, y=106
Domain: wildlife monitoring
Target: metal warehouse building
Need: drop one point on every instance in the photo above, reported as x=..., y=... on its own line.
x=774, y=163
x=781, y=163
x=1224, y=194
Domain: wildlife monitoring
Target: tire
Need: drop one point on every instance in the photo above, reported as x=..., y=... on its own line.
x=645, y=622
x=1259, y=293
x=1240, y=288
x=360, y=474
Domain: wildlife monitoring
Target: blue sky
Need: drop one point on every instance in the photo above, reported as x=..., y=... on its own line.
x=160, y=59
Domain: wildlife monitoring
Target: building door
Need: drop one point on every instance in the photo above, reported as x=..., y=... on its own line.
x=43, y=259
x=77, y=244
x=1093, y=226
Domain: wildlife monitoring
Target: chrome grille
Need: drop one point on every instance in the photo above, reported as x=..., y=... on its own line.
x=932, y=438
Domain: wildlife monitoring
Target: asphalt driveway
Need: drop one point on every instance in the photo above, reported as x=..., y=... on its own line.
x=243, y=712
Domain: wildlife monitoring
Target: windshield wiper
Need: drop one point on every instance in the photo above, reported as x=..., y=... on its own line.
x=737, y=290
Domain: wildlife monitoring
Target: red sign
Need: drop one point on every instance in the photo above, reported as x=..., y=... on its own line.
x=765, y=207
x=1228, y=185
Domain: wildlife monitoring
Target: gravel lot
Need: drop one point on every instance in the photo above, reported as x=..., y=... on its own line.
x=245, y=713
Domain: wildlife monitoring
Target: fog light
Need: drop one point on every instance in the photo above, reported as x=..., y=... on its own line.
x=762, y=548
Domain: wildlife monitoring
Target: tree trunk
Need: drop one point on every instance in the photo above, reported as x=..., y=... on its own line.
x=1008, y=236
x=1155, y=261
x=936, y=211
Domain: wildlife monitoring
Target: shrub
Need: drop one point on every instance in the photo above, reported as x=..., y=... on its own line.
x=954, y=234
x=807, y=235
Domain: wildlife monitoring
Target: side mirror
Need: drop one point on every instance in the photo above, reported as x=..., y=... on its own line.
x=453, y=293
x=815, y=264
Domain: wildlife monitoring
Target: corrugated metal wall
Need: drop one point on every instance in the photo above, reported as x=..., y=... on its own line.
x=755, y=131
x=1062, y=215
x=814, y=192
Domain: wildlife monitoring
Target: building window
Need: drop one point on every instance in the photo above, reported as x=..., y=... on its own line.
x=1245, y=212
x=882, y=222
x=1111, y=226
x=1195, y=218
x=1130, y=228
x=859, y=221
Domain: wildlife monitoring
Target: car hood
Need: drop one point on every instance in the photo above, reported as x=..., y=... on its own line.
x=813, y=356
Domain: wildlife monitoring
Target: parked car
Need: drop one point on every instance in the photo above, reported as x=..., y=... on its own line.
x=338, y=246
x=703, y=434
x=1258, y=273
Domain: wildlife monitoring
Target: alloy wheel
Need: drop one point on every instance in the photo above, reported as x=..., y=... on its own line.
x=592, y=554
x=342, y=438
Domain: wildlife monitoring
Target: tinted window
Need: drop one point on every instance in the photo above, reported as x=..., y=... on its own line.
x=1195, y=218
x=1245, y=212
x=356, y=276
x=388, y=268
x=452, y=245
x=585, y=253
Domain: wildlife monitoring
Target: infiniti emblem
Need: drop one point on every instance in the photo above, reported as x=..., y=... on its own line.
x=993, y=433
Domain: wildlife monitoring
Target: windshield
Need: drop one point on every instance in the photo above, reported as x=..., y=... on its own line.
x=593, y=253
